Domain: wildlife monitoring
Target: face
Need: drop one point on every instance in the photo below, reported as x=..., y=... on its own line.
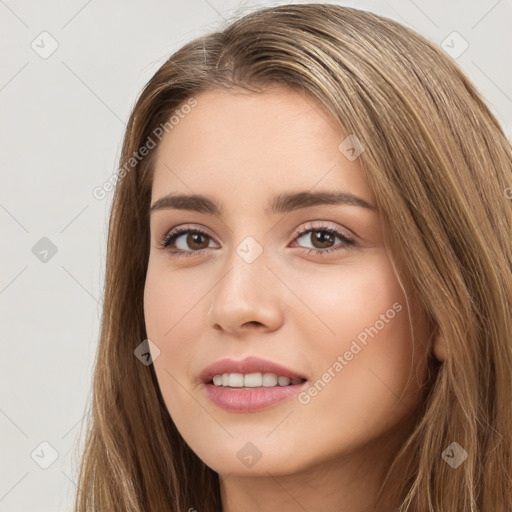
x=305, y=285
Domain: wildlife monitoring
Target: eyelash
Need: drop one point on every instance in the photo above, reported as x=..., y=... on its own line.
x=170, y=237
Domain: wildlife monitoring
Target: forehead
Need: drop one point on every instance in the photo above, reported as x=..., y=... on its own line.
x=248, y=144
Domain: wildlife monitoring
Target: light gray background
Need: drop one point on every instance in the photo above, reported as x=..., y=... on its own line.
x=62, y=120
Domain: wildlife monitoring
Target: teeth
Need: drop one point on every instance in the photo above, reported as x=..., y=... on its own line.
x=253, y=380
x=283, y=381
x=236, y=380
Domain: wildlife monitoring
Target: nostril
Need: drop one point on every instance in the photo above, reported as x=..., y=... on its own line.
x=253, y=322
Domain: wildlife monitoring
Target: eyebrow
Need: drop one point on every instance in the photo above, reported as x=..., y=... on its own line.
x=281, y=203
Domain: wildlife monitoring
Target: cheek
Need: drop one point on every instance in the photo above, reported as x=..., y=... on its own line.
x=348, y=301
x=175, y=319
x=172, y=304
x=173, y=323
x=365, y=363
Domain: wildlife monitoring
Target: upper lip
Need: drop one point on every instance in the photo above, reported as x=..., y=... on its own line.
x=250, y=364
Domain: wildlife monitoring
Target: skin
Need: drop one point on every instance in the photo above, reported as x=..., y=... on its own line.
x=298, y=309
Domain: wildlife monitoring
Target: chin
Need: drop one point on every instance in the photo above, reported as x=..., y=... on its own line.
x=253, y=458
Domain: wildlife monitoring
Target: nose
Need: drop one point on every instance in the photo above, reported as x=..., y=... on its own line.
x=246, y=297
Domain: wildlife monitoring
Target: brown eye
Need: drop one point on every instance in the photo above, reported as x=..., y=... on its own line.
x=196, y=241
x=322, y=239
x=186, y=241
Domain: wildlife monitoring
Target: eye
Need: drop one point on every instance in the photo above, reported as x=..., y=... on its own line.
x=322, y=239
x=187, y=241
x=196, y=240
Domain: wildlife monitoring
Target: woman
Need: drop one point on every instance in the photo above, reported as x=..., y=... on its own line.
x=308, y=289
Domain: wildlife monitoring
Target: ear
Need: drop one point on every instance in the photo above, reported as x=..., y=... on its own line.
x=440, y=349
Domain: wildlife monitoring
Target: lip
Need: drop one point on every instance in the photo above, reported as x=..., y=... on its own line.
x=248, y=399
x=250, y=364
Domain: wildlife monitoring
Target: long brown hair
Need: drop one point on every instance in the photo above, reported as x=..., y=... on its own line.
x=440, y=167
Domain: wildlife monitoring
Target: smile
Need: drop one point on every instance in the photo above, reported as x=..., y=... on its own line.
x=253, y=380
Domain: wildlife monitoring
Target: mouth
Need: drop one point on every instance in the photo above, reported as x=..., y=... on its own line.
x=253, y=380
x=249, y=372
x=250, y=384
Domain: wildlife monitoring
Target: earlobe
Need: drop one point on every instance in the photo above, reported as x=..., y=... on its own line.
x=440, y=349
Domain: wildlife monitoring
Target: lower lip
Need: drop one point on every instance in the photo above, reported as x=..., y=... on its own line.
x=250, y=399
